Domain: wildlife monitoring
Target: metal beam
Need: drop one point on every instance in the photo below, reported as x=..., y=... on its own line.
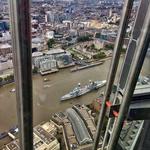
x=143, y=6
x=143, y=141
x=141, y=49
x=114, y=65
x=21, y=40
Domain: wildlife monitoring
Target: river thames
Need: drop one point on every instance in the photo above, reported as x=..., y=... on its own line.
x=46, y=101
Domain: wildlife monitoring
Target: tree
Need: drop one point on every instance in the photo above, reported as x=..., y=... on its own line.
x=98, y=35
x=123, y=50
x=35, y=70
x=50, y=43
x=85, y=46
x=11, y=77
x=92, y=46
x=109, y=46
x=1, y=80
x=6, y=79
x=84, y=38
x=72, y=54
x=64, y=46
x=99, y=55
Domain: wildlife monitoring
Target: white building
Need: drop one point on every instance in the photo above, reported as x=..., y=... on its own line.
x=5, y=37
x=39, y=59
x=42, y=140
x=56, y=52
x=47, y=65
x=49, y=17
x=49, y=34
x=38, y=43
x=50, y=127
x=68, y=23
x=5, y=49
x=6, y=65
x=37, y=54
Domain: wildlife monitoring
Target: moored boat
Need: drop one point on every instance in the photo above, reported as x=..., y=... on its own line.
x=79, y=91
x=13, y=90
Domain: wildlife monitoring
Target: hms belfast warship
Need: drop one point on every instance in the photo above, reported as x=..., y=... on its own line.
x=79, y=91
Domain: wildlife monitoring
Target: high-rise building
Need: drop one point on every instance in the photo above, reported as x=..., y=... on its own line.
x=51, y=17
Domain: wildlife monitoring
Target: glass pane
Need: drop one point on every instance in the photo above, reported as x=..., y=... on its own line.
x=72, y=47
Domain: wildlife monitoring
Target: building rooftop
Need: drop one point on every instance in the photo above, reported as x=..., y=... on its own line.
x=36, y=54
x=43, y=139
x=5, y=46
x=129, y=134
x=55, y=51
x=79, y=127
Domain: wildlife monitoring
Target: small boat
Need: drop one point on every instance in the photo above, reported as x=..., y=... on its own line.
x=13, y=90
x=3, y=135
x=86, y=66
x=46, y=80
x=14, y=130
x=47, y=86
x=96, y=85
x=79, y=91
x=76, y=92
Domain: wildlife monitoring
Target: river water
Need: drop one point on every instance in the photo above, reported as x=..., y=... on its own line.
x=46, y=101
